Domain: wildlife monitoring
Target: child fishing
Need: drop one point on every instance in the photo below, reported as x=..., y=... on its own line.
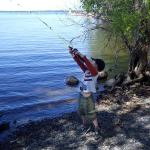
x=87, y=94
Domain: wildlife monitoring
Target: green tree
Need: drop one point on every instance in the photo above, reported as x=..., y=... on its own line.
x=129, y=21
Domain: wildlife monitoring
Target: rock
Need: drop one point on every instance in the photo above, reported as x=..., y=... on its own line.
x=110, y=82
x=146, y=101
x=72, y=81
x=4, y=126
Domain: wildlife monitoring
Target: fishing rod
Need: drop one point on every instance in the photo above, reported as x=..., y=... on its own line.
x=67, y=42
x=60, y=37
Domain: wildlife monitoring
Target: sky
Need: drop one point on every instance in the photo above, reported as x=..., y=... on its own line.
x=21, y=5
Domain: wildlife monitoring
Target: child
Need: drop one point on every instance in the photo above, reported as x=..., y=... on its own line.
x=88, y=87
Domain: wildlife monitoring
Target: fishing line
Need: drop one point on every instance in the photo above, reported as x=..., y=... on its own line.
x=67, y=42
x=60, y=37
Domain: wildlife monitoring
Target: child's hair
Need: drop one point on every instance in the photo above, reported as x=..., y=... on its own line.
x=102, y=75
x=100, y=64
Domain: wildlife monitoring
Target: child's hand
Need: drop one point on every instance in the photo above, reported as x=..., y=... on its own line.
x=70, y=49
x=73, y=51
x=79, y=54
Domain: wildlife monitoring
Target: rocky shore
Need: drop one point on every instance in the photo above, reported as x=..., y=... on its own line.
x=124, y=116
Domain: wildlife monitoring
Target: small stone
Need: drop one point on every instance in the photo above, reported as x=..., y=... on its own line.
x=110, y=82
x=146, y=101
x=72, y=81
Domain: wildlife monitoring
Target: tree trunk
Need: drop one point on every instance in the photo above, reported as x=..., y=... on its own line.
x=138, y=64
x=139, y=53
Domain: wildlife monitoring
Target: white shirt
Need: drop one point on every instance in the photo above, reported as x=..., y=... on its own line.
x=89, y=82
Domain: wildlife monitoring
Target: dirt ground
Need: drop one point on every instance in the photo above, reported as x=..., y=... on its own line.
x=124, y=116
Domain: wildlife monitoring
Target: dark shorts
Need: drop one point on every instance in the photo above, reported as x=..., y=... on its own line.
x=87, y=107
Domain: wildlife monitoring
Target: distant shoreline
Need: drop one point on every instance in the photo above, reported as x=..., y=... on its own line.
x=26, y=11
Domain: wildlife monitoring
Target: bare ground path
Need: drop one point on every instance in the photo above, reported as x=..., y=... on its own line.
x=124, y=116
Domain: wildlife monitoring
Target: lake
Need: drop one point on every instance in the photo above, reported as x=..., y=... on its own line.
x=34, y=62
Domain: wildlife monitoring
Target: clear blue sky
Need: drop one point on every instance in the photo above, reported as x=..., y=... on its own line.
x=14, y=5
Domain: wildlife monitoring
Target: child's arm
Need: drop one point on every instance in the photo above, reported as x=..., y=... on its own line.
x=77, y=58
x=83, y=61
x=90, y=66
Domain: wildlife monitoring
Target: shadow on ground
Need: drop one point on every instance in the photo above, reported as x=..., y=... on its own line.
x=128, y=130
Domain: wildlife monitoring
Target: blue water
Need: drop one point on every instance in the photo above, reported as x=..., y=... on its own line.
x=34, y=62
